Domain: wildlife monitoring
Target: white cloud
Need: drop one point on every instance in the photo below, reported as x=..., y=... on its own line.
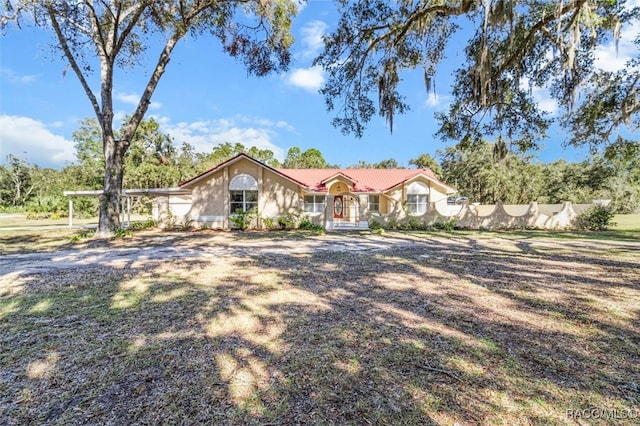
x=310, y=79
x=312, y=34
x=133, y=99
x=204, y=135
x=24, y=136
x=541, y=96
x=435, y=100
x=13, y=77
x=607, y=58
x=284, y=125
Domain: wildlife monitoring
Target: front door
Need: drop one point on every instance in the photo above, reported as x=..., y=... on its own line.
x=338, y=207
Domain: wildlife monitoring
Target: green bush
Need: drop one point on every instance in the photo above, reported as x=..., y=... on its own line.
x=243, y=219
x=307, y=225
x=392, y=224
x=269, y=223
x=85, y=233
x=596, y=218
x=374, y=224
x=447, y=225
x=46, y=207
x=289, y=221
x=140, y=225
x=122, y=233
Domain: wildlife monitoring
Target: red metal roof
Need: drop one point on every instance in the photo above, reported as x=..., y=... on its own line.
x=365, y=180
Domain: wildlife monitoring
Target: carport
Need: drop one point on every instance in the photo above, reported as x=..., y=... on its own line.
x=125, y=199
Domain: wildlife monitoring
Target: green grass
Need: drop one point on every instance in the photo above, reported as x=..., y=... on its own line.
x=451, y=328
x=627, y=222
x=20, y=220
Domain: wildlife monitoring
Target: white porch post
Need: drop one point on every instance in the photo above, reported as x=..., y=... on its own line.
x=70, y=212
x=363, y=213
x=328, y=212
x=128, y=211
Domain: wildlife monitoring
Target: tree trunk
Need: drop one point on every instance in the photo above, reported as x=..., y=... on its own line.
x=109, y=220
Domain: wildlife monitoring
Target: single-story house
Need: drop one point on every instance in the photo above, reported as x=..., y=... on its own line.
x=333, y=198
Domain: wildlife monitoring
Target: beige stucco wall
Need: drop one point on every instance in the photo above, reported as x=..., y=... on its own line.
x=276, y=195
x=392, y=201
x=209, y=198
x=496, y=216
x=339, y=185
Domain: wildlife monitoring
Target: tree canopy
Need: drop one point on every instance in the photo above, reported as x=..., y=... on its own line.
x=117, y=33
x=311, y=158
x=483, y=173
x=514, y=46
x=389, y=163
x=425, y=161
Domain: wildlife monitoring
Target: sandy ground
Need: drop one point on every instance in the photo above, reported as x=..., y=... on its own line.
x=173, y=246
x=164, y=246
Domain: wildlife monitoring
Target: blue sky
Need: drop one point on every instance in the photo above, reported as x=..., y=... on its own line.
x=206, y=98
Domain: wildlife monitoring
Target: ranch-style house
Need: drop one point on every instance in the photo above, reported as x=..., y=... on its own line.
x=333, y=198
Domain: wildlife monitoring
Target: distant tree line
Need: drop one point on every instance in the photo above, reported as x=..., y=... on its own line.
x=486, y=173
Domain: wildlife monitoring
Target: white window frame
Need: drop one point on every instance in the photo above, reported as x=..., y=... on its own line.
x=417, y=198
x=318, y=204
x=248, y=186
x=247, y=204
x=417, y=204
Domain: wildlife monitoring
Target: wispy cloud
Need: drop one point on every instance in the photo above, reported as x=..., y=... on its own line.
x=204, y=135
x=436, y=100
x=607, y=58
x=16, y=78
x=133, y=99
x=312, y=42
x=310, y=79
x=24, y=136
x=541, y=96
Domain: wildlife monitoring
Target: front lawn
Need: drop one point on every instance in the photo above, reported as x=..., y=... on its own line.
x=235, y=328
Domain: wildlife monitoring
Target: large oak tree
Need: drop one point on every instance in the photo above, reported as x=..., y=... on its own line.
x=117, y=33
x=512, y=46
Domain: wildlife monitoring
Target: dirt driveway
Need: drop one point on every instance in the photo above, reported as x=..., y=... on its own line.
x=154, y=247
x=158, y=247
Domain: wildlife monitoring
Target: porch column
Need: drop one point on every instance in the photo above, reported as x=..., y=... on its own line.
x=70, y=212
x=261, y=197
x=328, y=212
x=363, y=206
x=128, y=210
x=226, y=201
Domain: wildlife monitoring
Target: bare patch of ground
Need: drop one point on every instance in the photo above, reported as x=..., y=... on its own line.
x=343, y=328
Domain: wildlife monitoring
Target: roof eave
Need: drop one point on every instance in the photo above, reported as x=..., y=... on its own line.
x=232, y=160
x=449, y=189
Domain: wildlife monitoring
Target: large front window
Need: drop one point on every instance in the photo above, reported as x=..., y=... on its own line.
x=314, y=203
x=243, y=193
x=245, y=200
x=417, y=198
x=417, y=203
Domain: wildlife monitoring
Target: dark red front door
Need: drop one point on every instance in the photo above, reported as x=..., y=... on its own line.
x=338, y=207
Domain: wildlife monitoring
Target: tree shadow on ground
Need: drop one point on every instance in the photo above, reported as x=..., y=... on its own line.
x=431, y=331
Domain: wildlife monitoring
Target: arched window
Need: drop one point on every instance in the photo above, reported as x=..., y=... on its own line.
x=417, y=198
x=243, y=193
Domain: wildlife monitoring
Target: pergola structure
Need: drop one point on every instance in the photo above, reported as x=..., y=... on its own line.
x=125, y=197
